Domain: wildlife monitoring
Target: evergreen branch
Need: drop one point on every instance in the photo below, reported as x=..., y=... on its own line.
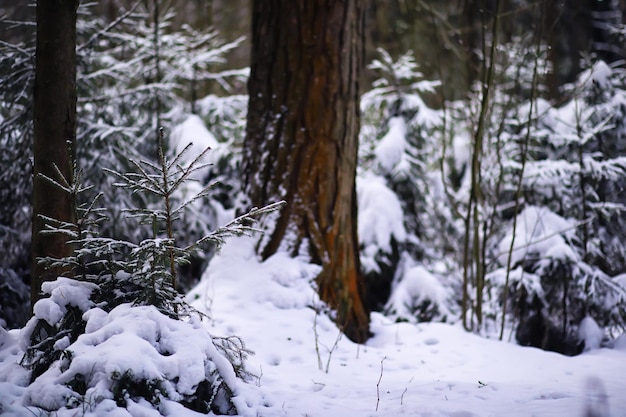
x=19, y=48
x=239, y=226
x=148, y=89
x=62, y=183
x=179, y=156
x=202, y=194
x=193, y=167
x=544, y=238
x=148, y=164
x=92, y=40
x=143, y=182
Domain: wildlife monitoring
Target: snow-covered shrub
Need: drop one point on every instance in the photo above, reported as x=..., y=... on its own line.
x=83, y=357
x=83, y=342
x=568, y=237
x=403, y=220
x=419, y=295
x=381, y=233
x=57, y=321
x=542, y=261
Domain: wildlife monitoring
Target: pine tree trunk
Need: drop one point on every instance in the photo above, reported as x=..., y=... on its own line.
x=54, y=129
x=302, y=138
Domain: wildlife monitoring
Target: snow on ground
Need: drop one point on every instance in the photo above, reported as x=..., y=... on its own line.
x=302, y=365
x=429, y=370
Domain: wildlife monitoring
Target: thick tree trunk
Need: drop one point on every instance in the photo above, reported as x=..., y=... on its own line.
x=55, y=129
x=302, y=138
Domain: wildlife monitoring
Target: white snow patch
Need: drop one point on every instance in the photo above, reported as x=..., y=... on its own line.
x=429, y=369
x=391, y=147
x=380, y=214
x=192, y=132
x=539, y=232
x=65, y=291
x=590, y=333
x=48, y=310
x=415, y=286
x=599, y=74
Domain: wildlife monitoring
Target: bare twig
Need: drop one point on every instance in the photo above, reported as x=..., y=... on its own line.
x=332, y=349
x=404, y=392
x=518, y=191
x=378, y=383
x=258, y=381
x=317, y=338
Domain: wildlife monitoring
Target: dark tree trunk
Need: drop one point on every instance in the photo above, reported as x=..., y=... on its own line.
x=471, y=36
x=578, y=28
x=607, y=19
x=54, y=128
x=302, y=138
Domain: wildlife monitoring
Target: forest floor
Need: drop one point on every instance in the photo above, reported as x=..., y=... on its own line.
x=304, y=367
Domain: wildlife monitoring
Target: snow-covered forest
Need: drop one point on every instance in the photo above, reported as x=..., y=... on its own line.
x=202, y=264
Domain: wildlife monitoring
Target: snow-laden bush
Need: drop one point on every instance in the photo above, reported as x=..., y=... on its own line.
x=554, y=294
x=381, y=233
x=419, y=295
x=129, y=357
x=568, y=235
x=83, y=342
x=403, y=221
x=520, y=198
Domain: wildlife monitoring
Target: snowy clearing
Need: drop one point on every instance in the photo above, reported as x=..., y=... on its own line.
x=431, y=369
x=302, y=366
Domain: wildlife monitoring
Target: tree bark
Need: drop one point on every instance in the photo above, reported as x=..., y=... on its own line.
x=54, y=130
x=302, y=139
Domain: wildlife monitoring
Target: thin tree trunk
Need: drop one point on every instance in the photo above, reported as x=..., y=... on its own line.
x=54, y=130
x=302, y=138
